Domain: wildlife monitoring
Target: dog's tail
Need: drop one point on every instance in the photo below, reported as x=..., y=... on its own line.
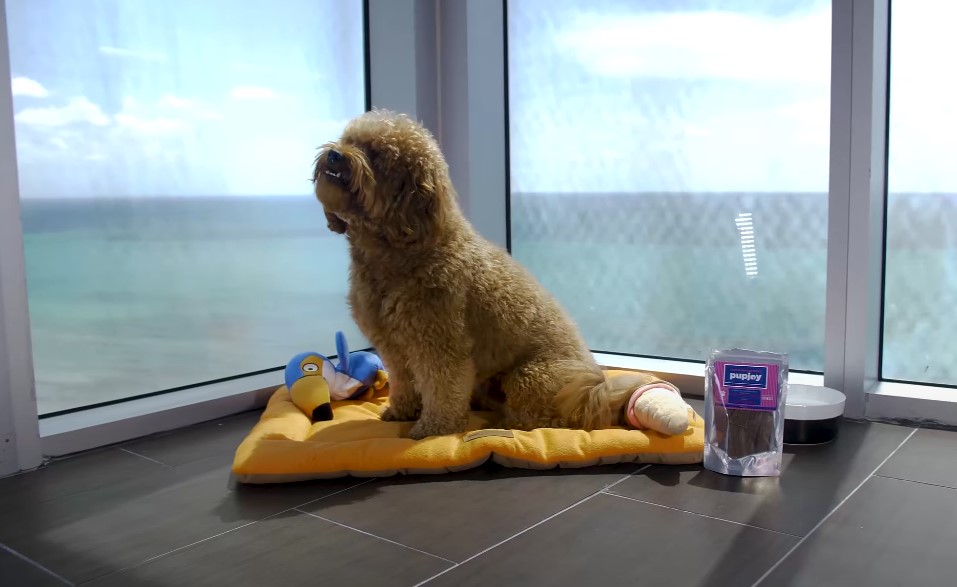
x=590, y=400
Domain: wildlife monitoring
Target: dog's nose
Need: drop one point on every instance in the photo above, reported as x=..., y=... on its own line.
x=334, y=157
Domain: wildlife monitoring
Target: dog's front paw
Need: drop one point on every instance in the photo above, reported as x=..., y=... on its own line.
x=393, y=414
x=424, y=429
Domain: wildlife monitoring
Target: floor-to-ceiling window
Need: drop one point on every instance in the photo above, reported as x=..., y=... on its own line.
x=164, y=153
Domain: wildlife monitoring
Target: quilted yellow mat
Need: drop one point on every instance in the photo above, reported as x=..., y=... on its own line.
x=286, y=446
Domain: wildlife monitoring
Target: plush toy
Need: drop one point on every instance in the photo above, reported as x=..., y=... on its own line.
x=658, y=406
x=357, y=373
x=314, y=381
x=307, y=386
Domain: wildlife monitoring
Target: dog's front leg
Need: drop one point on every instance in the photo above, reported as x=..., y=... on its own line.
x=445, y=382
x=405, y=404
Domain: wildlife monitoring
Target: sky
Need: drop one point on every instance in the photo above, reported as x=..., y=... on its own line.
x=180, y=97
x=672, y=95
x=215, y=97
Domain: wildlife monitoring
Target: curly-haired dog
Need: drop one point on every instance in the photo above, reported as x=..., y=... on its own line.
x=449, y=312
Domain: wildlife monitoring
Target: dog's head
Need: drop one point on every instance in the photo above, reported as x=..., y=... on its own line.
x=384, y=178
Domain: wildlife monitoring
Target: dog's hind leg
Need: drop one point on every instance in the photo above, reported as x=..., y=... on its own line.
x=487, y=396
x=529, y=392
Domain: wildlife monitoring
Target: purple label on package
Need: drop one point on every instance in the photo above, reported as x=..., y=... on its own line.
x=746, y=386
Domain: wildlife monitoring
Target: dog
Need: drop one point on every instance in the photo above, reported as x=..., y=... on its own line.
x=453, y=317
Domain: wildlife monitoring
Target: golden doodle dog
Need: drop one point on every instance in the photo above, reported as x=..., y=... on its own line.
x=451, y=315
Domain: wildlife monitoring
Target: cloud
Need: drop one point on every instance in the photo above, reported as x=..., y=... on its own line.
x=278, y=162
x=187, y=107
x=151, y=126
x=154, y=56
x=176, y=102
x=78, y=110
x=24, y=86
x=278, y=70
x=923, y=123
x=811, y=111
x=730, y=101
x=691, y=129
x=168, y=144
x=169, y=115
x=81, y=133
x=60, y=142
x=253, y=93
x=704, y=44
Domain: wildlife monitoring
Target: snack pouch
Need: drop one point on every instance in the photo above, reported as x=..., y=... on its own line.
x=745, y=396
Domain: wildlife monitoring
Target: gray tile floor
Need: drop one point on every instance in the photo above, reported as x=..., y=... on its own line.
x=878, y=507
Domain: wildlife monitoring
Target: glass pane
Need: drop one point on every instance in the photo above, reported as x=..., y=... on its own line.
x=669, y=170
x=920, y=296
x=165, y=153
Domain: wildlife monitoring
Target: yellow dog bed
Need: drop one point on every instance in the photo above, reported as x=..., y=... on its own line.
x=286, y=446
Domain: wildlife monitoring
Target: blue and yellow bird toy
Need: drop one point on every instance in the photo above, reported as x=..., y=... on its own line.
x=314, y=382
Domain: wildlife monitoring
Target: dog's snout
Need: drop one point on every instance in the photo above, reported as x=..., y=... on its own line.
x=334, y=157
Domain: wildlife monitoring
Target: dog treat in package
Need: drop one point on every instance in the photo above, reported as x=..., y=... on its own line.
x=745, y=394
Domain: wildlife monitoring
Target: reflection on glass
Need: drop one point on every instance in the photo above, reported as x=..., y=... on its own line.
x=669, y=170
x=749, y=252
x=920, y=296
x=164, y=155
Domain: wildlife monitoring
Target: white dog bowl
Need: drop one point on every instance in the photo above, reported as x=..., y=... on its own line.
x=811, y=414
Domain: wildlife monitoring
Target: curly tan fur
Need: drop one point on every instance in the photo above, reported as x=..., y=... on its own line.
x=452, y=315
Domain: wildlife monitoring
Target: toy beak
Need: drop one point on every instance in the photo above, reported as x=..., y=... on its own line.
x=312, y=394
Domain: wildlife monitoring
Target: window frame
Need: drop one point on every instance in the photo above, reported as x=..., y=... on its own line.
x=857, y=190
x=19, y=431
x=401, y=68
x=445, y=63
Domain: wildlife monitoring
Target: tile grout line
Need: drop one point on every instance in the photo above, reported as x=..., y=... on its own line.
x=136, y=454
x=370, y=534
x=311, y=501
x=208, y=538
x=35, y=564
x=833, y=510
x=915, y=481
x=533, y=526
x=174, y=551
x=717, y=519
x=245, y=525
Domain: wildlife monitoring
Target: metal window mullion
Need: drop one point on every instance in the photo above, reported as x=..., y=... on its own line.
x=403, y=60
x=856, y=200
x=19, y=426
x=472, y=107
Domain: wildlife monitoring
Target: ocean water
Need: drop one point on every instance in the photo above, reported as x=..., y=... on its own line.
x=666, y=274
x=132, y=296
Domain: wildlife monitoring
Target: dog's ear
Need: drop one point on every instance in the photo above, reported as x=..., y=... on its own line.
x=417, y=208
